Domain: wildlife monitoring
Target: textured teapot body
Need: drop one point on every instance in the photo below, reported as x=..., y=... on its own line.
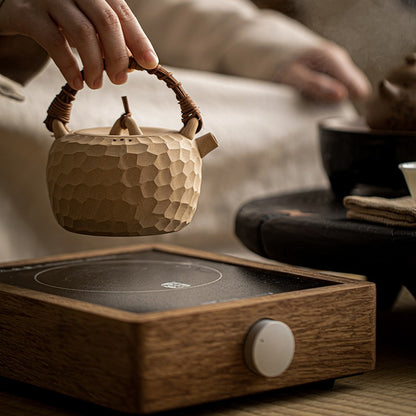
x=124, y=185
x=126, y=180
x=393, y=106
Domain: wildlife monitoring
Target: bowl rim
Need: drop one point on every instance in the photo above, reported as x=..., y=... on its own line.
x=357, y=125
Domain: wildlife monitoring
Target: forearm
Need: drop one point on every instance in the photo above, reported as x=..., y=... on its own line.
x=232, y=36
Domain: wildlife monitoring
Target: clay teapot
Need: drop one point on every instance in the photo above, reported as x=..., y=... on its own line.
x=125, y=180
x=393, y=106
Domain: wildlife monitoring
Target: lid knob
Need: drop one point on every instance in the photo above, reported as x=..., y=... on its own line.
x=125, y=121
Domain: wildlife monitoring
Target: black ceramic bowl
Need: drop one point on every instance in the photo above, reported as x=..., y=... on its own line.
x=353, y=154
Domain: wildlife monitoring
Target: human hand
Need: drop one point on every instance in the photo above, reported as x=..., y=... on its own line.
x=96, y=28
x=326, y=73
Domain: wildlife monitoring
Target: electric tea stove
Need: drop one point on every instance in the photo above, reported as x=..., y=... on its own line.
x=150, y=328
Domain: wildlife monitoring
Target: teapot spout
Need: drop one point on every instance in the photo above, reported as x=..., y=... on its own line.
x=206, y=143
x=388, y=90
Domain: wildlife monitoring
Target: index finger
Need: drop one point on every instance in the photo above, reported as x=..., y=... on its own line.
x=340, y=66
x=136, y=40
x=107, y=25
x=314, y=84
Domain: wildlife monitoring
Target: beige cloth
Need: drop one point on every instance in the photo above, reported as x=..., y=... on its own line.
x=396, y=211
x=232, y=37
x=266, y=132
x=255, y=157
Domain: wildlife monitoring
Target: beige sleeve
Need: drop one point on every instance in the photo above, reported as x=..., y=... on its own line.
x=228, y=36
x=21, y=59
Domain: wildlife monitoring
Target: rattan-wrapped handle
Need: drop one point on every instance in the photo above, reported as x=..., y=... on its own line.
x=60, y=108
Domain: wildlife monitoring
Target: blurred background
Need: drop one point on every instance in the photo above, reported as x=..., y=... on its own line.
x=376, y=33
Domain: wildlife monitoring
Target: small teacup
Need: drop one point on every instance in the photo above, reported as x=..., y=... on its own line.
x=409, y=172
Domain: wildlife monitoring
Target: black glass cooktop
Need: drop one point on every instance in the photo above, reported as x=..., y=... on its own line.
x=149, y=281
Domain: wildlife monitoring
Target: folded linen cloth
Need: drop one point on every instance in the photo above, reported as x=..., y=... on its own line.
x=395, y=211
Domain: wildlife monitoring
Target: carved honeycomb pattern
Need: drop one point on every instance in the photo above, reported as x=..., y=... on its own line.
x=124, y=185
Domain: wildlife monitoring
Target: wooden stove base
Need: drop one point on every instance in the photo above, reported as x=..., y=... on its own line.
x=143, y=363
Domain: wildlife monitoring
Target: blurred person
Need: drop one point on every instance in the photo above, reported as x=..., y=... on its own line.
x=232, y=37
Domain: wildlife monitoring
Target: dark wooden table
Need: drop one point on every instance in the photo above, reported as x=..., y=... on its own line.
x=310, y=229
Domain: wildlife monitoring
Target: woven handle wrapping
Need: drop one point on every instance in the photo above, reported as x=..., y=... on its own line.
x=60, y=108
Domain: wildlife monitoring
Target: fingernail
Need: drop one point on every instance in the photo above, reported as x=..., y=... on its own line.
x=151, y=58
x=121, y=77
x=98, y=83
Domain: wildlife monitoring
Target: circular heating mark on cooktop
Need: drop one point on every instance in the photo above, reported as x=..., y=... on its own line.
x=128, y=276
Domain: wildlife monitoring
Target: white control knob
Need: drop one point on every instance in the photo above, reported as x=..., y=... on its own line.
x=269, y=347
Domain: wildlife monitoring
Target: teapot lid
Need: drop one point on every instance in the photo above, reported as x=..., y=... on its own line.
x=125, y=122
x=404, y=75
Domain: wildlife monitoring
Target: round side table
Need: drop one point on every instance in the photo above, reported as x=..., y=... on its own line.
x=310, y=229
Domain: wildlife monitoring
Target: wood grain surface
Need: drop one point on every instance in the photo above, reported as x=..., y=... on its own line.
x=163, y=360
